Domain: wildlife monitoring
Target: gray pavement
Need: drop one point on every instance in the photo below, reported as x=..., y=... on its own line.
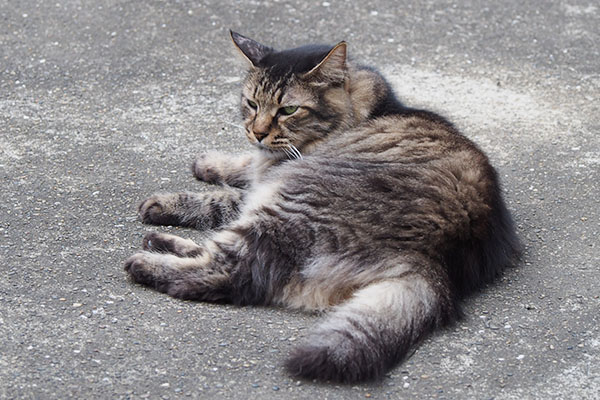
x=104, y=102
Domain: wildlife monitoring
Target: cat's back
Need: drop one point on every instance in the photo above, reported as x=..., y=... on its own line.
x=415, y=137
x=420, y=153
x=394, y=164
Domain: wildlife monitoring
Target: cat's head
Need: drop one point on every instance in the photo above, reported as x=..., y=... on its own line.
x=293, y=98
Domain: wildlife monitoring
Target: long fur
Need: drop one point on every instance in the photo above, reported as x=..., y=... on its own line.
x=352, y=203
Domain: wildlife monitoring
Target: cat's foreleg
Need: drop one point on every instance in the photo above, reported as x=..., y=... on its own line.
x=368, y=334
x=182, y=277
x=166, y=243
x=215, y=167
x=205, y=276
x=197, y=210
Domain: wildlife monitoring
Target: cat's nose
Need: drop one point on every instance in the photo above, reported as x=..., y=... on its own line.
x=260, y=135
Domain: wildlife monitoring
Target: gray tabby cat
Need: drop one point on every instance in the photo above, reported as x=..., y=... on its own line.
x=351, y=202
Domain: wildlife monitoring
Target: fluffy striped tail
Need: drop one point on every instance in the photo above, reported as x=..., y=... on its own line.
x=371, y=332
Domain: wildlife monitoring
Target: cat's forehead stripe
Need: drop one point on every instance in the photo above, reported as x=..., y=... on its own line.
x=268, y=88
x=279, y=95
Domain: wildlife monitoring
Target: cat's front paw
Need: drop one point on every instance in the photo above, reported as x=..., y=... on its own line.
x=158, y=210
x=142, y=269
x=166, y=243
x=154, y=241
x=207, y=168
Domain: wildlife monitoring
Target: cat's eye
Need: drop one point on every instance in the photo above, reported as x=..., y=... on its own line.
x=252, y=104
x=289, y=110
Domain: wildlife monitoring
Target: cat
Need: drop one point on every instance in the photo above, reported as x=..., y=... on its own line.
x=382, y=215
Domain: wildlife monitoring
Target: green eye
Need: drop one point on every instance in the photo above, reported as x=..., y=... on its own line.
x=289, y=110
x=252, y=104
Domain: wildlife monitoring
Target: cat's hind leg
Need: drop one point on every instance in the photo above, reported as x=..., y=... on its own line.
x=196, y=210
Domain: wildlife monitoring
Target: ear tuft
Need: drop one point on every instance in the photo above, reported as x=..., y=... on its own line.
x=250, y=49
x=333, y=65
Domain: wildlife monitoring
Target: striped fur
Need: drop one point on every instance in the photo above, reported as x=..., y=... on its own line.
x=382, y=215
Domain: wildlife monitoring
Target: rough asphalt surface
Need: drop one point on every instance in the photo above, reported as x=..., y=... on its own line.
x=103, y=103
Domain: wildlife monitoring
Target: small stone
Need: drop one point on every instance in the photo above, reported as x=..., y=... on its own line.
x=76, y=305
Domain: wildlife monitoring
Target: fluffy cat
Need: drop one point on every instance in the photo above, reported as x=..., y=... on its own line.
x=383, y=215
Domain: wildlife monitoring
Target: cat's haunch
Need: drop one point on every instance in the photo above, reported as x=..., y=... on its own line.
x=350, y=202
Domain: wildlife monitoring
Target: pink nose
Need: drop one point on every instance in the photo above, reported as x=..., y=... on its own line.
x=260, y=135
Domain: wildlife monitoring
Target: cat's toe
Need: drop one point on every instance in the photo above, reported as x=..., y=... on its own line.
x=138, y=268
x=149, y=209
x=149, y=240
x=154, y=241
x=154, y=210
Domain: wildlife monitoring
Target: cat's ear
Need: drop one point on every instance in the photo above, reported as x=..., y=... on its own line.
x=250, y=49
x=333, y=66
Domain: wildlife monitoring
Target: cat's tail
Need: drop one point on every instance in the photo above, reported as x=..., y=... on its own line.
x=372, y=331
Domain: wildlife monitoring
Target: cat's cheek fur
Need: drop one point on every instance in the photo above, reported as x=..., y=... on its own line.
x=338, y=100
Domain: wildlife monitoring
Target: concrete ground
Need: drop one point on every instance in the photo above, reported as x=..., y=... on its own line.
x=104, y=102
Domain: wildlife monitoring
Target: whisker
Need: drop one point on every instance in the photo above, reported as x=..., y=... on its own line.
x=296, y=151
x=292, y=152
x=287, y=153
x=232, y=124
